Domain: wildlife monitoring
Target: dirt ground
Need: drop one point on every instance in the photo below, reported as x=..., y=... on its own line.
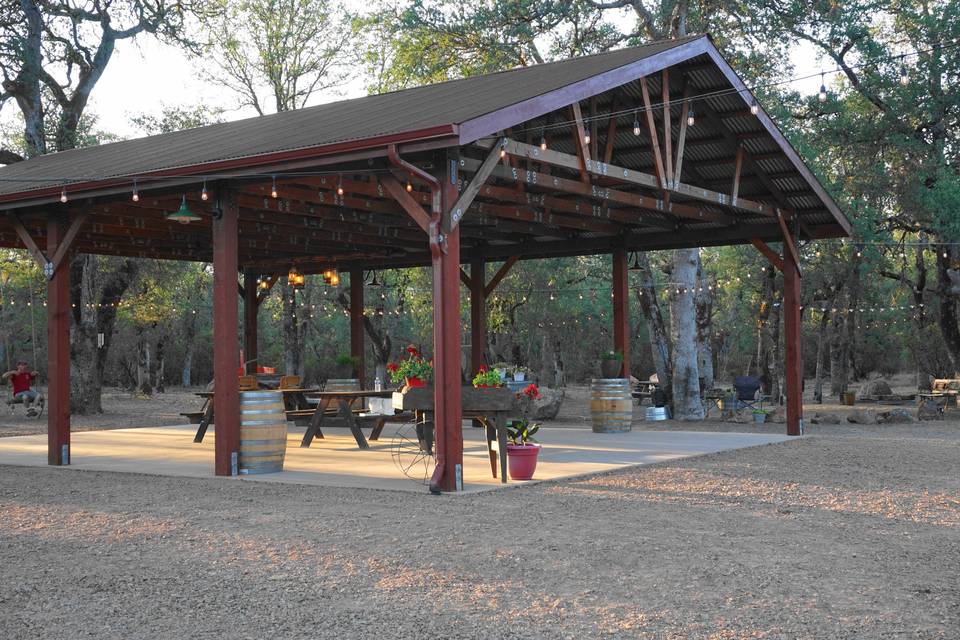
x=850, y=532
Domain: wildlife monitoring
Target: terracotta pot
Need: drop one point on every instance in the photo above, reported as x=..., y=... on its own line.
x=522, y=460
x=610, y=368
x=415, y=382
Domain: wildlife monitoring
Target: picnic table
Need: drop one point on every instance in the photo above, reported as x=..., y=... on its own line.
x=344, y=401
x=291, y=397
x=492, y=407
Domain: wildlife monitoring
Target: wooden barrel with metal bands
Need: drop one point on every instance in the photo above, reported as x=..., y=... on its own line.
x=263, y=432
x=611, y=406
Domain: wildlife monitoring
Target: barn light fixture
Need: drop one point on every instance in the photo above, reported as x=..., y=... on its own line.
x=183, y=215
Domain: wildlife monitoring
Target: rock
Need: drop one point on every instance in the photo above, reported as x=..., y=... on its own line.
x=874, y=388
x=548, y=405
x=825, y=418
x=894, y=416
x=777, y=416
x=929, y=409
x=862, y=416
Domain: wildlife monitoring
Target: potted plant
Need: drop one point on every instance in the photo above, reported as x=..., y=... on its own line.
x=501, y=368
x=520, y=373
x=346, y=365
x=523, y=450
x=611, y=363
x=760, y=416
x=486, y=379
x=414, y=371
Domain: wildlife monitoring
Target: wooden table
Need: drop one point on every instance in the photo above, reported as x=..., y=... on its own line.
x=492, y=407
x=294, y=396
x=344, y=401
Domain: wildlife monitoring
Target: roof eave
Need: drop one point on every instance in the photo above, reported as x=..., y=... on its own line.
x=211, y=169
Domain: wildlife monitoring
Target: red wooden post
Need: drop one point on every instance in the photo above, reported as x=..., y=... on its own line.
x=478, y=313
x=621, y=309
x=446, y=342
x=791, y=321
x=251, y=306
x=356, y=320
x=58, y=352
x=226, y=400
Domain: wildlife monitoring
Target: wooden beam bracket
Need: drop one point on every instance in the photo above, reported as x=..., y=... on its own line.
x=462, y=204
x=499, y=275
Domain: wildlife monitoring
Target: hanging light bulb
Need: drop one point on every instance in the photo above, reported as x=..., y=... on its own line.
x=904, y=76
x=409, y=186
x=63, y=195
x=135, y=196
x=335, y=279
x=636, y=125
x=691, y=117
x=586, y=138
x=273, y=190
x=295, y=279
x=340, y=187
x=204, y=194
x=754, y=107
x=822, y=96
x=543, y=142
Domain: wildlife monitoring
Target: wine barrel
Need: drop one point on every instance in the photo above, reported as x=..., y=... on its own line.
x=611, y=406
x=263, y=432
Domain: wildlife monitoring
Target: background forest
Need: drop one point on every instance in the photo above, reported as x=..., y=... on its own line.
x=881, y=135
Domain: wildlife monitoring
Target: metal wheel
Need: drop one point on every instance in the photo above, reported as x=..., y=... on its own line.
x=412, y=450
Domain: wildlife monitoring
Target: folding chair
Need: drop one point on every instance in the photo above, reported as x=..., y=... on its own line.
x=747, y=388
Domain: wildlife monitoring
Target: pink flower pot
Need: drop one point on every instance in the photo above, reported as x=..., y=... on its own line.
x=522, y=460
x=415, y=382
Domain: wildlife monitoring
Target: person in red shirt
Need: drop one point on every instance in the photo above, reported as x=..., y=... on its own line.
x=21, y=379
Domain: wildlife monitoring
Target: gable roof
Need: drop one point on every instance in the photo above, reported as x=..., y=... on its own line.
x=409, y=114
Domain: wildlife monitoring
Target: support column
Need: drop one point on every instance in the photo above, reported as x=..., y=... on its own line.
x=794, y=354
x=478, y=313
x=226, y=399
x=251, y=305
x=356, y=321
x=58, y=351
x=621, y=309
x=446, y=338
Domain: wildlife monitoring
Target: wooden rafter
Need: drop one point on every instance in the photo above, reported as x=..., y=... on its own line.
x=737, y=171
x=652, y=131
x=682, y=136
x=667, y=127
x=580, y=142
x=789, y=247
x=611, y=138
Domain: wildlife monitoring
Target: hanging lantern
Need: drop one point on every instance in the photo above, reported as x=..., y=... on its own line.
x=327, y=275
x=183, y=215
x=295, y=279
x=335, y=279
x=263, y=284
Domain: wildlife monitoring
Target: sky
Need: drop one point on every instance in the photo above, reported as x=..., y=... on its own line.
x=145, y=75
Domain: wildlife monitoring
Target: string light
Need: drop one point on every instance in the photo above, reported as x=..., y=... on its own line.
x=273, y=189
x=822, y=96
x=63, y=195
x=636, y=124
x=754, y=107
x=136, y=194
x=543, y=142
x=340, y=186
x=691, y=117
x=204, y=194
x=409, y=186
x=904, y=76
x=586, y=138
x=503, y=148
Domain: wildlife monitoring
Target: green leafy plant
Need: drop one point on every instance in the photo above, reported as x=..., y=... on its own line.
x=520, y=431
x=761, y=412
x=345, y=359
x=414, y=366
x=487, y=378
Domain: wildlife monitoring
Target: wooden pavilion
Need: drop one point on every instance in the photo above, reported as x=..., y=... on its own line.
x=654, y=147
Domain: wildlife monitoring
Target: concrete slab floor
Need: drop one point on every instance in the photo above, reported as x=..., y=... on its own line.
x=337, y=461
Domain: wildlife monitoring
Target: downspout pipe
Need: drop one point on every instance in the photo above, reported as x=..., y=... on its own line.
x=436, y=254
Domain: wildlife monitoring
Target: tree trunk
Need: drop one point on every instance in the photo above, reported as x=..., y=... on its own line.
x=948, y=318
x=704, y=304
x=158, y=382
x=95, y=290
x=293, y=346
x=687, y=404
x=656, y=327
x=821, y=341
x=838, y=360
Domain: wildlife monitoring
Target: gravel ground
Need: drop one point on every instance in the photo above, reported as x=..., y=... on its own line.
x=856, y=536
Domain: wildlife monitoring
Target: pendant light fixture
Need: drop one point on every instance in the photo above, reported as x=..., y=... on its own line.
x=183, y=215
